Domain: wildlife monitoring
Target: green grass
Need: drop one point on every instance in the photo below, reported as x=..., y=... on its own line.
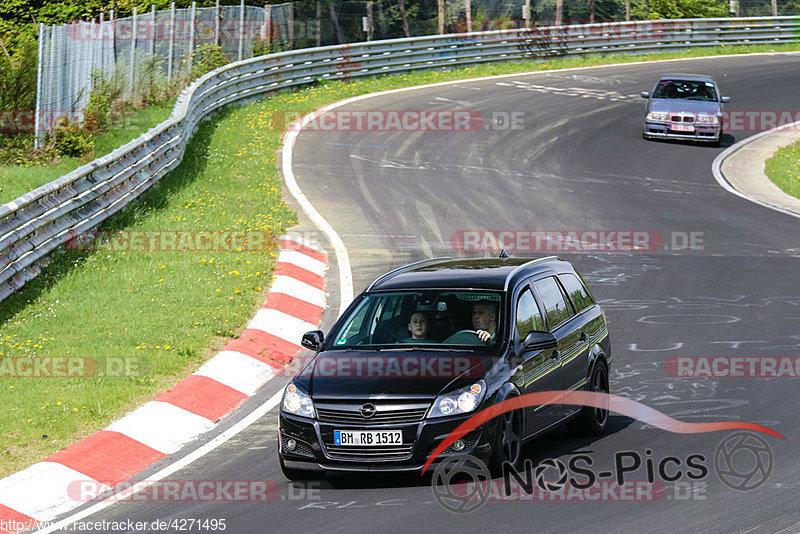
x=783, y=168
x=168, y=311
x=18, y=180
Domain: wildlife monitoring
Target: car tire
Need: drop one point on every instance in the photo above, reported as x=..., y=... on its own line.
x=718, y=142
x=593, y=421
x=298, y=474
x=507, y=443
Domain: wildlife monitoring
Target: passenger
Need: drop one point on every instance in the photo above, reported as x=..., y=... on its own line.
x=445, y=322
x=418, y=328
x=484, y=320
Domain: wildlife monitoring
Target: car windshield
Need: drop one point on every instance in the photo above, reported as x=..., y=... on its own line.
x=686, y=90
x=425, y=319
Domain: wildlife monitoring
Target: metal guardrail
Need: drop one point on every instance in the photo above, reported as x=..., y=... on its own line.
x=37, y=223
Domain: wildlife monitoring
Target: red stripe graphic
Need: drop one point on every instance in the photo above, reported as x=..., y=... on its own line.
x=203, y=396
x=301, y=309
x=106, y=456
x=288, y=244
x=613, y=403
x=298, y=273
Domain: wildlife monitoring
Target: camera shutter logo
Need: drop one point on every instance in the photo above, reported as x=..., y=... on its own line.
x=551, y=485
x=743, y=461
x=449, y=477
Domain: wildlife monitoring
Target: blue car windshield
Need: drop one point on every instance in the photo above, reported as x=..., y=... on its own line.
x=425, y=319
x=686, y=90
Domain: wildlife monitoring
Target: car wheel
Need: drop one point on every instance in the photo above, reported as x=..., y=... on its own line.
x=593, y=421
x=297, y=474
x=508, y=442
x=718, y=142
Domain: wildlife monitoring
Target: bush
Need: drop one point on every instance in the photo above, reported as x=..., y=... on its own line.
x=17, y=149
x=206, y=58
x=71, y=139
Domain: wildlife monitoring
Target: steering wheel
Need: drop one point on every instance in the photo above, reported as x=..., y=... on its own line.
x=464, y=337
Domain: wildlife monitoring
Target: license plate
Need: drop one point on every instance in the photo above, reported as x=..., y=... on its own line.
x=368, y=438
x=682, y=128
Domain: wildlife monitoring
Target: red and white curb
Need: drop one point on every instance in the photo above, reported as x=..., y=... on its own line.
x=193, y=406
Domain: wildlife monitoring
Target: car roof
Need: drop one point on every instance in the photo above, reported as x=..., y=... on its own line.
x=481, y=273
x=688, y=77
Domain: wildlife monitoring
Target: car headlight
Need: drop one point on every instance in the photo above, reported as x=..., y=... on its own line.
x=297, y=402
x=460, y=401
x=708, y=119
x=657, y=116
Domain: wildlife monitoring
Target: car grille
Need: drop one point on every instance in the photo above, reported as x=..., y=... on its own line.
x=385, y=414
x=684, y=118
x=391, y=452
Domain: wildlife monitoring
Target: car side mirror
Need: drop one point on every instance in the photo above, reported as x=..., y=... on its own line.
x=645, y=94
x=539, y=340
x=313, y=340
x=726, y=99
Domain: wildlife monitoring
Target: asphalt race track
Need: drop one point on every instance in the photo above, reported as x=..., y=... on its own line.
x=578, y=162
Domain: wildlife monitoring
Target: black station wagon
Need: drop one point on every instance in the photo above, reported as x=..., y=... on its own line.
x=430, y=344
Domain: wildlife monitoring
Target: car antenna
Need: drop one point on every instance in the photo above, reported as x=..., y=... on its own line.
x=503, y=254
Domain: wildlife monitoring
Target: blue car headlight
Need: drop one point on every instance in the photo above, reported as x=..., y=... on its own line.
x=460, y=401
x=712, y=120
x=657, y=116
x=297, y=402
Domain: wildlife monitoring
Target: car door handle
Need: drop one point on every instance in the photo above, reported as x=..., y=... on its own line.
x=583, y=336
x=554, y=355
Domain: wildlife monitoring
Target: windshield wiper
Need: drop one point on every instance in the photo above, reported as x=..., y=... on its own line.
x=426, y=348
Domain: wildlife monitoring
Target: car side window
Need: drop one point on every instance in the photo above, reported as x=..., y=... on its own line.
x=556, y=308
x=528, y=316
x=576, y=291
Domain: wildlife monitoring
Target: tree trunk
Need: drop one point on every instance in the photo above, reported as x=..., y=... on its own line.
x=335, y=21
x=559, y=11
x=401, y=4
x=441, y=16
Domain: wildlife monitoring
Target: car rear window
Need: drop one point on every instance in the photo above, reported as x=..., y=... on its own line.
x=556, y=307
x=577, y=292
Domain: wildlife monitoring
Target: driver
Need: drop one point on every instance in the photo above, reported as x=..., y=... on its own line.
x=484, y=320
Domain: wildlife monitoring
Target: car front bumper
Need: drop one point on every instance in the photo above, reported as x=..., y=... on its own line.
x=665, y=130
x=315, y=450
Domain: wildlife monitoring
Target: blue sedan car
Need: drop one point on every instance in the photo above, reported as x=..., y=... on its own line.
x=685, y=106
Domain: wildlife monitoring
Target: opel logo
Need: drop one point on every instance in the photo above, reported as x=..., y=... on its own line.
x=368, y=410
